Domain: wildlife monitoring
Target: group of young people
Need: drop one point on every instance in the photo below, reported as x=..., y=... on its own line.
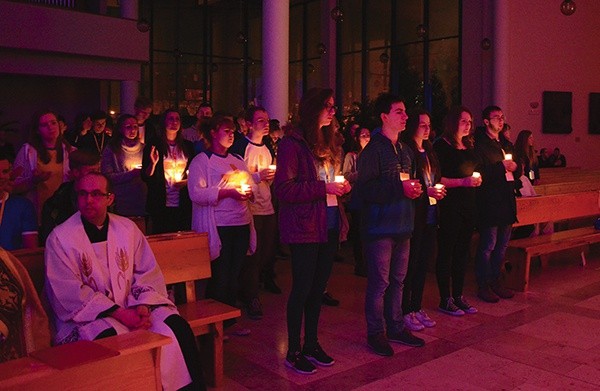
x=407, y=196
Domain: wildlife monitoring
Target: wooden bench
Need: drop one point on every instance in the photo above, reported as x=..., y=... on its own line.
x=532, y=210
x=135, y=366
x=183, y=257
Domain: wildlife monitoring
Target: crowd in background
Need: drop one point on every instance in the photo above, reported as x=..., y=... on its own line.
x=404, y=195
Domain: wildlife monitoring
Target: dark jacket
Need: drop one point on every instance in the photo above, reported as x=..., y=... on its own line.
x=157, y=193
x=301, y=195
x=385, y=210
x=496, y=202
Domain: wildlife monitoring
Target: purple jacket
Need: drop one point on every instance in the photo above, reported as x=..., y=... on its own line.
x=302, y=206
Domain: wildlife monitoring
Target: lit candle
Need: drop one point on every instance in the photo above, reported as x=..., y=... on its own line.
x=439, y=186
x=476, y=174
x=244, y=187
x=272, y=167
x=138, y=166
x=339, y=179
x=508, y=156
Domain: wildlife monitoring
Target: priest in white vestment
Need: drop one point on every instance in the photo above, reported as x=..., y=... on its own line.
x=102, y=279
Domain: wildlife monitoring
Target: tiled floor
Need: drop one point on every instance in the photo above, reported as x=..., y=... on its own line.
x=546, y=339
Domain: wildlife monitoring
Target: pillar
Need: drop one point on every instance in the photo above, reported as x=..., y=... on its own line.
x=275, y=58
x=500, y=51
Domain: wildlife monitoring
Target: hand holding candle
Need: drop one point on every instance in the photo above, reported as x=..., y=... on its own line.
x=473, y=180
x=437, y=192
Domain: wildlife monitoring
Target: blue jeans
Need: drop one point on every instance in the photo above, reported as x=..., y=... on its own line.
x=387, y=262
x=490, y=253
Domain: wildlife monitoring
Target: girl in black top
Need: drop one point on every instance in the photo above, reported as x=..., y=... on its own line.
x=423, y=240
x=457, y=210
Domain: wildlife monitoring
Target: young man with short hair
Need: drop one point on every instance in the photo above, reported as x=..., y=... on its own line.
x=386, y=189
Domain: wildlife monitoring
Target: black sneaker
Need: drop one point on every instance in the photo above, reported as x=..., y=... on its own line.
x=405, y=337
x=318, y=356
x=447, y=306
x=254, y=309
x=299, y=363
x=330, y=300
x=464, y=305
x=271, y=286
x=380, y=345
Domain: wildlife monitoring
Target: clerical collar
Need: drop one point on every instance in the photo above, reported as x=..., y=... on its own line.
x=95, y=234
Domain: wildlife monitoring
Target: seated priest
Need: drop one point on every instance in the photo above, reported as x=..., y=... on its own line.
x=102, y=279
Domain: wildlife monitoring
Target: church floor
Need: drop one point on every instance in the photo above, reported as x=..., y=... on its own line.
x=546, y=339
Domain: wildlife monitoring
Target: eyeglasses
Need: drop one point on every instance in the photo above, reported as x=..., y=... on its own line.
x=330, y=107
x=498, y=117
x=96, y=194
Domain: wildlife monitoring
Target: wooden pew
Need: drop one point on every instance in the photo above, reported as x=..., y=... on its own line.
x=184, y=257
x=135, y=366
x=567, y=174
x=568, y=187
x=532, y=210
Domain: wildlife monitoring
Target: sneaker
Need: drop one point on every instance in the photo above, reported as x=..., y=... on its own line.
x=299, y=363
x=380, y=345
x=318, y=356
x=271, y=286
x=405, y=337
x=503, y=293
x=447, y=306
x=254, y=309
x=424, y=318
x=330, y=300
x=487, y=295
x=464, y=305
x=412, y=323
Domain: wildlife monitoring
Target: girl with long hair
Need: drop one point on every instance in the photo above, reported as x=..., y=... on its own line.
x=122, y=164
x=423, y=241
x=43, y=162
x=309, y=220
x=458, y=162
x=164, y=168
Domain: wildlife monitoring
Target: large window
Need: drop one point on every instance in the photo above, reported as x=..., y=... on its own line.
x=409, y=48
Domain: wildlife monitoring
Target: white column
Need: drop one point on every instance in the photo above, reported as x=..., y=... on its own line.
x=276, y=58
x=129, y=88
x=500, y=52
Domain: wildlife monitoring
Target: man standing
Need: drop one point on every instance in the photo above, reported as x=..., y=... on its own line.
x=142, y=109
x=194, y=132
x=386, y=191
x=496, y=206
x=258, y=159
x=102, y=280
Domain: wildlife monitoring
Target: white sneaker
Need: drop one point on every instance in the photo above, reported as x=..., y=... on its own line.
x=424, y=319
x=412, y=323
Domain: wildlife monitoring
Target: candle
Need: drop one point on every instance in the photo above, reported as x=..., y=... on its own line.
x=244, y=187
x=439, y=186
x=476, y=174
x=272, y=167
x=339, y=179
x=508, y=156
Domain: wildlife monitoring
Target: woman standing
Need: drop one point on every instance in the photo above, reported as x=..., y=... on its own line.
x=220, y=188
x=122, y=164
x=309, y=220
x=423, y=241
x=43, y=162
x=164, y=167
x=526, y=158
x=457, y=210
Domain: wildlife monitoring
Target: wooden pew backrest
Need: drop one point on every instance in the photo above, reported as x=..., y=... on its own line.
x=182, y=257
x=531, y=210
